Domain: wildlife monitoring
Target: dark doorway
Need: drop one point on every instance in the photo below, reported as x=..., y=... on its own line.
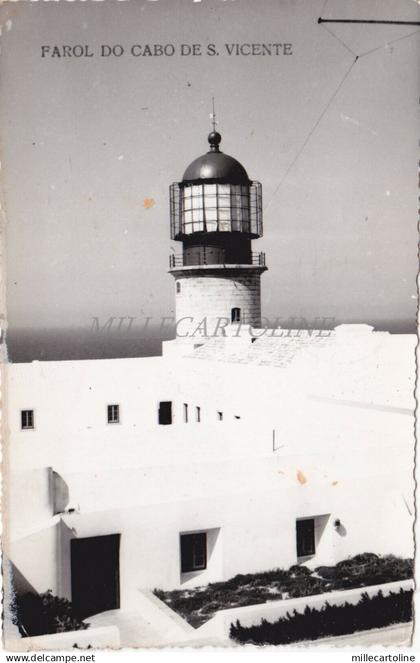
x=305, y=537
x=165, y=412
x=95, y=574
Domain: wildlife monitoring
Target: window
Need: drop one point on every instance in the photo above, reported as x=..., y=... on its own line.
x=198, y=414
x=220, y=416
x=27, y=419
x=305, y=537
x=185, y=413
x=113, y=414
x=236, y=416
x=178, y=287
x=165, y=413
x=235, y=315
x=193, y=552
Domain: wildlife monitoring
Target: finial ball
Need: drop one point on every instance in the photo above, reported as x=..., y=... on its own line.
x=214, y=138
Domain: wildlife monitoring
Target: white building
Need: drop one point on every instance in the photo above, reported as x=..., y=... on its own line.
x=238, y=450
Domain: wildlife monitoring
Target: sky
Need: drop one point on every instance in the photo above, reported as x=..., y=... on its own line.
x=90, y=146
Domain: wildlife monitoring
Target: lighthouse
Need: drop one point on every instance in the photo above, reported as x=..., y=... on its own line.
x=216, y=212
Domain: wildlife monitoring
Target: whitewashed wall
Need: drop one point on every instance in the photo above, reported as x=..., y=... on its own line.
x=343, y=448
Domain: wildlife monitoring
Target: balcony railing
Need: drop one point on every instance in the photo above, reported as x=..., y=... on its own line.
x=179, y=260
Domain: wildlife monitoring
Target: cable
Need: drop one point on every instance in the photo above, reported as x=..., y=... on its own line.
x=331, y=99
x=340, y=40
x=378, y=48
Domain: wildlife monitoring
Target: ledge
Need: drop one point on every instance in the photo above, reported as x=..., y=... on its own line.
x=217, y=268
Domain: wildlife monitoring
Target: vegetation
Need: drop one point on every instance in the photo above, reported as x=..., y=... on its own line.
x=39, y=614
x=197, y=605
x=330, y=620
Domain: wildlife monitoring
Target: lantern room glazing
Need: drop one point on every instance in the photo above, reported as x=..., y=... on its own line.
x=215, y=207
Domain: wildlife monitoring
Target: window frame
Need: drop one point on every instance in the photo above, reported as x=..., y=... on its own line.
x=188, y=563
x=301, y=551
x=32, y=426
x=235, y=315
x=118, y=419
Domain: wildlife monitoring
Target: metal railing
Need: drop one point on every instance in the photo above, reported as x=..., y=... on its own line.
x=179, y=260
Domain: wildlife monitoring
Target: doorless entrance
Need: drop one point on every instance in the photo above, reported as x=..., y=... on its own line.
x=95, y=574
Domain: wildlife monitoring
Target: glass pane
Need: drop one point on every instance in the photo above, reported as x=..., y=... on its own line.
x=197, y=202
x=197, y=190
x=198, y=215
x=210, y=201
x=224, y=201
x=210, y=189
x=211, y=226
x=224, y=214
x=224, y=189
x=211, y=214
x=224, y=226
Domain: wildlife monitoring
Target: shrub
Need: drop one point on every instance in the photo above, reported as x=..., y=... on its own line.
x=44, y=613
x=368, y=613
x=197, y=605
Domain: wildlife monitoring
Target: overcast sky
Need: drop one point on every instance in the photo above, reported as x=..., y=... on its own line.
x=86, y=141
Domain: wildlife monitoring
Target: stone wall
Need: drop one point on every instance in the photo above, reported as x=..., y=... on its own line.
x=211, y=298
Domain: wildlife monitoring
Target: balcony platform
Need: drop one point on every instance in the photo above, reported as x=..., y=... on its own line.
x=190, y=269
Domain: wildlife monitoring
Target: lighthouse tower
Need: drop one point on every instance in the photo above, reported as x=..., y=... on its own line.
x=216, y=212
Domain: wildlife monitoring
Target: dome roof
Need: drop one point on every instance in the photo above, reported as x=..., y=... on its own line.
x=216, y=166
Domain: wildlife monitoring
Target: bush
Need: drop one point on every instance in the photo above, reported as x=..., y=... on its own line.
x=44, y=613
x=368, y=613
x=197, y=605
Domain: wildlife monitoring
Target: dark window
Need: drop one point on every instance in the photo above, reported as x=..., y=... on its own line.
x=165, y=412
x=198, y=414
x=220, y=416
x=113, y=414
x=178, y=287
x=235, y=315
x=305, y=537
x=186, y=413
x=193, y=552
x=27, y=419
x=237, y=416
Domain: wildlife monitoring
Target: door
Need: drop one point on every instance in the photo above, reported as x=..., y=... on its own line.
x=95, y=574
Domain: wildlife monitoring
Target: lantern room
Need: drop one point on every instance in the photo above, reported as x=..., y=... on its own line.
x=215, y=196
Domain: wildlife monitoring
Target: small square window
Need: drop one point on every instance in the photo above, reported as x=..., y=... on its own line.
x=220, y=416
x=198, y=414
x=193, y=552
x=113, y=414
x=27, y=419
x=185, y=413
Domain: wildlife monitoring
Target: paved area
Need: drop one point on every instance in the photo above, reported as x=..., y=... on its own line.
x=135, y=630
x=398, y=635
